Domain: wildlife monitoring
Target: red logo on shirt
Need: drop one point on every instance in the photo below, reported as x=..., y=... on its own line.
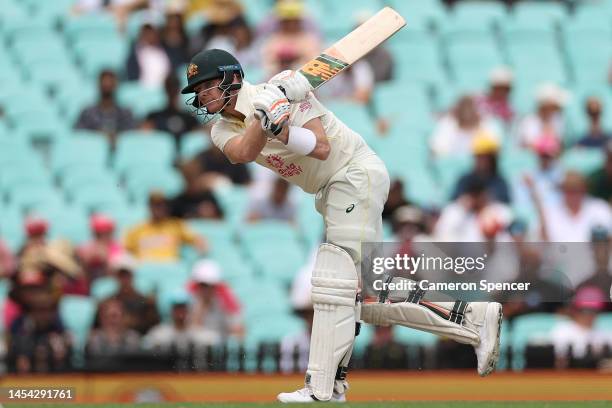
x=304, y=106
x=285, y=170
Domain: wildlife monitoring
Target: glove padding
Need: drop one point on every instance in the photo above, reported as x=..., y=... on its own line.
x=272, y=108
x=295, y=85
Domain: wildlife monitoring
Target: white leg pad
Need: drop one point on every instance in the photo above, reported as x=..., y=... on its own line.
x=334, y=292
x=417, y=317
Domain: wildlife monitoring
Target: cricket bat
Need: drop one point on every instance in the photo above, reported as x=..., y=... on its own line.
x=356, y=44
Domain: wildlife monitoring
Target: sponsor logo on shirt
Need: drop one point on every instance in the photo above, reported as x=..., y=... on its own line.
x=304, y=106
x=284, y=169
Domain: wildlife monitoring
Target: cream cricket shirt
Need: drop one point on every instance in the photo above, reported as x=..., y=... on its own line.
x=308, y=173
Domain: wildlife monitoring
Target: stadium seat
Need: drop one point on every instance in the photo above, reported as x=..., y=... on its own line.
x=447, y=171
x=604, y=322
x=584, y=161
x=97, y=198
x=141, y=181
x=422, y=12
x=96, y=54
x=140, y=99
x=356, y=115
x=234, y=201
x=539, y=12
x=158, y=275
x=12, y=177
x=77, y=314
x=11, y=226
x=71, y=100
x=93, y=25
x=104, y=287
x=479, y=13
x=193, y=143
x=82, y=176
x=141, y=148
x=215, y=231
x=67, y=223
x=414, y=337
x=532, y=328
x=30, y=197
x=86, y=150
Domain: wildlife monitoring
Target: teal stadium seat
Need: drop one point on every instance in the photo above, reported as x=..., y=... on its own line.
x=234, y=201
x=11, y=226
x=104, y=287
x=422, y=13
x=31, y=197
x=193, y=143
x=140, y=181
x=604, y=322
x=418, y=57
x=77, y=314
x=447, y=171
x=140, y=99
x=391, y=99
x=99, y=198
x=143, y=148
x=159, y=275
x=91, y=26
x=72, y=99
x=584, y=161
x=533, y=328
x=356, y=116
x=12, y=177
x=480, y=13
x=538, y=12
x=83, y=176
x=90, y=149
x=69, y=223
x=414, y=337
x=96, y=54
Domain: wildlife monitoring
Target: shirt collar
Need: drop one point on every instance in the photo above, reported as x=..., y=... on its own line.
x=243, y=101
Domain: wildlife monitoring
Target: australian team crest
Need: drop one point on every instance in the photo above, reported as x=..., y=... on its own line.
x=192, y=70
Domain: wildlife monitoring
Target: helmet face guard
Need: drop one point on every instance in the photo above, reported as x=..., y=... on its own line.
x=226, y=86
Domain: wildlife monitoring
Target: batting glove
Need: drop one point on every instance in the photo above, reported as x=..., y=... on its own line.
x=272, y=108
x=294, y=84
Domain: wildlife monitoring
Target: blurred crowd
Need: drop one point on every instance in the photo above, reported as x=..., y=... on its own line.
x=559, y=205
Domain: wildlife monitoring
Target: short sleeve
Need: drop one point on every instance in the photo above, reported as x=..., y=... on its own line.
x=307, y=110
x=222, y=132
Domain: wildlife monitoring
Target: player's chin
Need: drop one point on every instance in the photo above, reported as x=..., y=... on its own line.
x=214, y=107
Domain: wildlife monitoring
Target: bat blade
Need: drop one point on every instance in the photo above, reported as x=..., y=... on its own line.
x=356, y=44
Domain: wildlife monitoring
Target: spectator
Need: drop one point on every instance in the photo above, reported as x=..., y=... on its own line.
x=271, y=23
x=547, y=291
x=277, y=206
x=172, y=118
x=395, y=199
x=545, y=178
x=290, y=36
x=97, y=254
x=106, y=115
x=7, y=261
x=159, y=239
x=485, y=149
x=214, y=307
x=354, y=84
x=473, y=216
x=111, y=336
x=496, y=103
x=174, y=40
x=221, y=16
x=408, y=227
x=33, y=248
x=120, y=9
x=548, y=120
x=602, y=272
x=196, y=201
x=596, y=135
x=600, y=182
x=38, y=341
x=140, y=312
x=177, y=337
x=573, y=218
x=454, y=132
x=147, y=61
x=294, y=348
x=577, y=340
x=215, y=168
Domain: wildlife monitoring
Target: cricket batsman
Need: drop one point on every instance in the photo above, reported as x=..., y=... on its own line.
x=282, y=126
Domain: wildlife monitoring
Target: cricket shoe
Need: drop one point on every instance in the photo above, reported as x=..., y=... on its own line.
x=304, y=395
x=487, y=351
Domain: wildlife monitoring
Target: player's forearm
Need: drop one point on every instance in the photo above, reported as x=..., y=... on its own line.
x=321, y=150
x=251, y=144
